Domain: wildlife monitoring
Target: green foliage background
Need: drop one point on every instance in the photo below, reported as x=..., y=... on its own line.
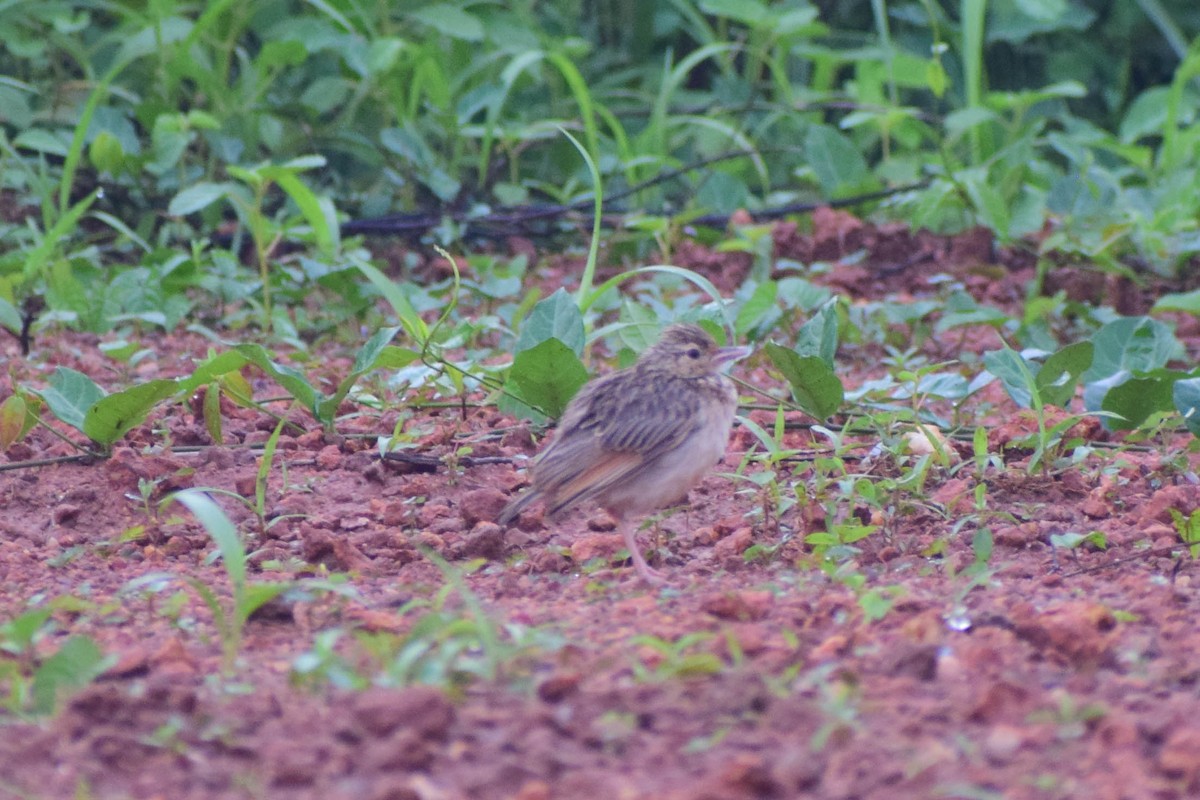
x=1015, y=110
x=148, y=151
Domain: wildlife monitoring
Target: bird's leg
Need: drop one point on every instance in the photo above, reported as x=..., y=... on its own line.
x=649, y=575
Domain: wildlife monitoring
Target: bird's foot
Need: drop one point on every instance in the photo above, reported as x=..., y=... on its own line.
x=649, y=575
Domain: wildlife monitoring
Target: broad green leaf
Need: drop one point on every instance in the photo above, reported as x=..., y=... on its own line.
x=210, y=369
x=1146, y=115
x=392, y=357
x=991, y=206
x=10, y=317
x=13, y=414
x=1188, y=302
x=642, y=326
x=111, y=417
x=291, y=379
x=1044, y=10
x=818, y=336
x=372, y=350
x=760, y=303
x=41, y=141
x=962, y=120
x=1138, y=398
x=1014, y=372
x=196, y=197
x=703, y=283
x=1059, y=375
x=76, y=663
x=544, y=377
x=1186, y=394
x=19, y=635
x=723, y=193
x=70, y=395
x=814, y=385
x=799, y=293
x=451, y=21
x=555, y=317
x=374, y=354
x=961, y=309
x=752, y=13
x=836, y=161
x=1136, y=344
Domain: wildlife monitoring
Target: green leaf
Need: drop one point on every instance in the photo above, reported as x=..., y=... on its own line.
x=74, y=665
x=210, y=369
x=555, y=317
x=111, y=417
x=814, y=385
x=451, y=21
x=819, y=335
x=19, y=635
x=1059, y=375
x=1136, y=344
x=836, y=161
x=1188, y=302
x=61, y=231
x=223, y=532
x=1015, y=372
x=70, y=395
x=292, y=380
x=1186, y=394
x=196, y=197
x=369, y=354
x=750, y=12
x=760, y=303
x=9, y=316
x=305, y=199
x=13, y=414
x=264, y=468
x=374, y=354
x=961, y=309
x=1137, y=398
x=256, y=595
x=212, y=413
x=991, y=206
x=641, y=326
x=543, y=377
x=413, y=324
x=392, y=357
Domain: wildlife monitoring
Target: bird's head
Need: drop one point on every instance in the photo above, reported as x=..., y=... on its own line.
x=687, y=351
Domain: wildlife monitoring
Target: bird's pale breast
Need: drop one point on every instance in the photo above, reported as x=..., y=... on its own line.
x=666, y=477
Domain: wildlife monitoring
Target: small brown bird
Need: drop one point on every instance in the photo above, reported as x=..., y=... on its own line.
x=636, y=440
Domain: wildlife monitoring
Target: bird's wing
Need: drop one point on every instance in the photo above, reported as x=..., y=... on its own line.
x=649, y=423
x=597, y=476
x=611, y=429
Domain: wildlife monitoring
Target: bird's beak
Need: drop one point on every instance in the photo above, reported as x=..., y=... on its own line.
x=727, y=355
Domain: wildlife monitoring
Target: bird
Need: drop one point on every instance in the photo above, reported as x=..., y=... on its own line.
x=636, y=440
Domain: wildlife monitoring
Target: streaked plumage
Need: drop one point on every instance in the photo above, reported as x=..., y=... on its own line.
x=636, y=440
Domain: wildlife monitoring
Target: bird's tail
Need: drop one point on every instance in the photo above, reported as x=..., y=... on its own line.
x=513, y=509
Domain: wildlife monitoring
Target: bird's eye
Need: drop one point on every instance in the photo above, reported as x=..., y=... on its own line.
x=693, y=352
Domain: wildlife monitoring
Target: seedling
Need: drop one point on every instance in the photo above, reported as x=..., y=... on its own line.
x=34, y=685
x=1188, y=528
x=683, y=658
x=229, y=617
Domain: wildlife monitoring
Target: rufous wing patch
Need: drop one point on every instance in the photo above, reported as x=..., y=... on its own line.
x=608, y=469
